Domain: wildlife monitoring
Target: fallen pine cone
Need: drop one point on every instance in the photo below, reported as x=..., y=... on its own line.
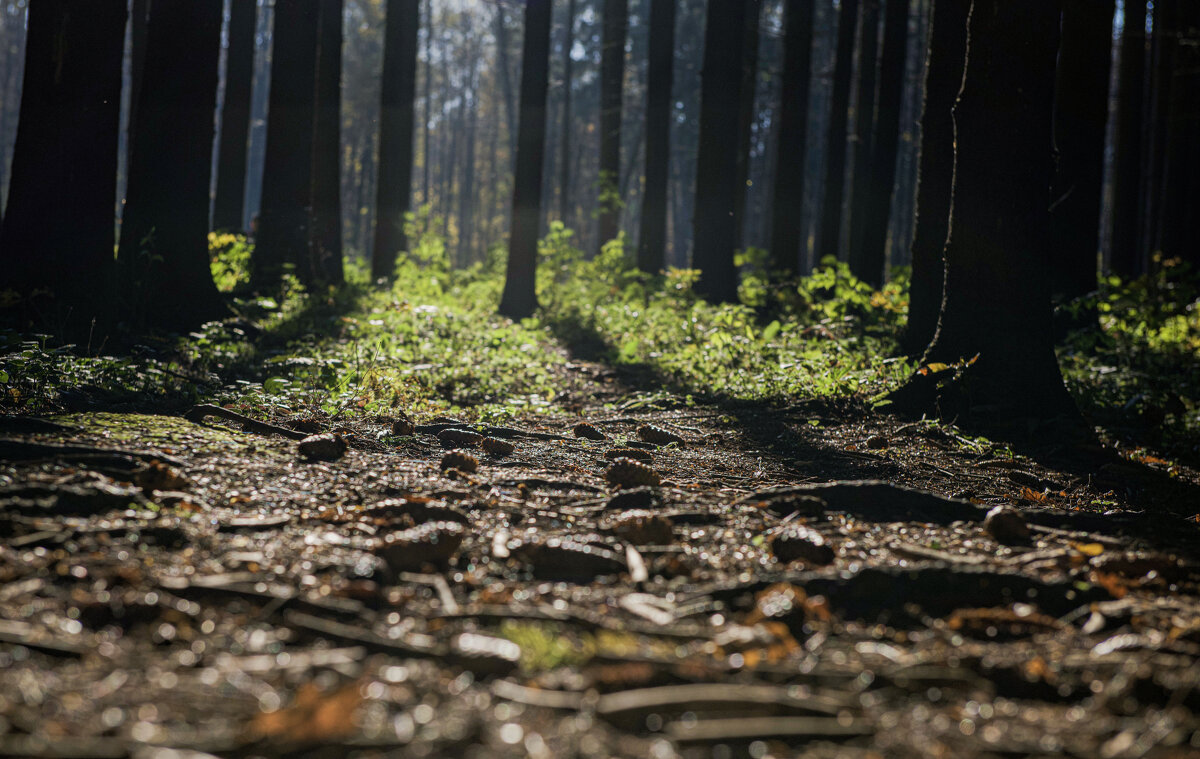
x=463, y=462
x=496, y=447
x=627, y=473
x=588, y=431
x=403, y=426
x=1007, y=526
x=326, y=447
x=795, y=541
x=565, y=558
x=459, y=438
x=429, y=543
x=628, y=453
x=642, y=528
x=657, y=435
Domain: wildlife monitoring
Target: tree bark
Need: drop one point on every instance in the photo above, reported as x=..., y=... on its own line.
x=164, y=234
x=1080, y=123
x=652, y=244
x=1126, y=256
x=285, y=216
x=510, y=100
x=1163, y=48
x=872, y=225
x=943, y=80
x=230, y=200
x=326, y=244
x=1180, y=222
x=714, y=220
x=864, y=132
x=746, y=116
x=787, y=231
x=829, y=227
x=520, y=284
x=65, y=161
x=564, y=168
x=997, y=301
x=138, y=19
x=612, y=85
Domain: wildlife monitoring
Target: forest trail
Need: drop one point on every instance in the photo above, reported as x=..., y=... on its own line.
x=197, y=586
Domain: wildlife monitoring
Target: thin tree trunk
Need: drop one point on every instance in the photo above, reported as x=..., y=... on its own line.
x=326, y=243
x=747, y=92
x=1126, y=256
x=397, y=111
x=139, y=16
x=612, y=81
x=428, y=101
x=864, y=133
x=230, y=199
x=1163, y=46
x=164, y=235
x=502, y=56
x=792, y=143
x=935, y=178
x=829, y=227
x=520, y=285
x=652, y=244
x=564, y=180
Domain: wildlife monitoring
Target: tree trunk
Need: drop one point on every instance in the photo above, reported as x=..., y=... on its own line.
x=997, y=302
x=564, y=180
x=864, y=134
x=164, y=235
x=935, y=178
x=1080, y=122
x=285, y=215
x=1163, y=47
x=326, y=244
x=138, y=19
x=230, y=199
x=520, y=284
x=876, y=195
x=787, y=229
x=510, y=100
x=58, y=226
x=746, y=116
x=829, y=227
x=714, y=220
x=660, y=74
x=1126, y=256
x=1180, y=223
x=428, y=107
x=612, y=80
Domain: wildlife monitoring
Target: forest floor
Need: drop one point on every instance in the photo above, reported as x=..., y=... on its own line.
x=772, y=578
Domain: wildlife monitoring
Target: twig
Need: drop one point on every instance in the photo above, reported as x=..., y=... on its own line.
x=198, y=413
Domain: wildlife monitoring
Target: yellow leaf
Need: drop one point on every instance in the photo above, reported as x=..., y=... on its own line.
x=1088, y=549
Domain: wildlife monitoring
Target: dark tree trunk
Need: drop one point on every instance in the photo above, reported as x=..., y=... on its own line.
x=139, y=17
x=1163, y=47
x=787, y=229
x=230, y=199
x=612, y=80
x=285, y=216
x=660, y=74
x=164, y=235
x=428, y=103
x=510, y=100
x=326, y=251
x=564, y=168
x=746, y=115
x=714, y=220
x=520, y=284
x=1180, y=220
x=58, y=228
x=876, y=195
x=394, y=189
x=943, y=80
x=1126, y=255
x=1080, y=121
x=997, y=302
x=864, y=134
x=829, y=227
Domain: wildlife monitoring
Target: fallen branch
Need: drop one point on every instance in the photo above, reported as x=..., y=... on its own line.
x=197, y=415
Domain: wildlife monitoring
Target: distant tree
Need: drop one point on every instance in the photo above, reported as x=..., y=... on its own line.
x=612, y=81
x=829, y=223
x=139, y=17
x=285, y=214
x=869, y=233
x=652, y=244
x=564, y=166
x=164, y=234
x=864, y=131
x=57, y=235
x=1163, y=48
x=943, y=80
x=520, y=284
x=786, y=218
x=1080, y=126
x=1126, y=255
x=714, y=222
x=394, y=191
x=326, y=243
x=229, y=202
x=997, y=300
x=1179, y=218
x=746, y=114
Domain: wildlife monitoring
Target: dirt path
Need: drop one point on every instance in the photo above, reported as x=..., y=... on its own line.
x=165, y=583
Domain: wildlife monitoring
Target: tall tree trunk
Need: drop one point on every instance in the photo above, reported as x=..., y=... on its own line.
x=520, y=284
x=829, y=226
x=502, y=56
x=864, y=132
x=1180, y=222
x=326, y=243
x=164, y=235
x=652, y=244
x=612, y=81
x=745, y=106
x=65, y=160
x=230, y=199
x=428, y=103
x=997, y=302
x=787, y=230
x=139, y=17
x=285, y=216
x=935, y=178
x=564, y=168
x=394, y=189
x=1126, y=256
x=1163, y=48
x=871, y=227
x=715, y=228
x=1080, y=121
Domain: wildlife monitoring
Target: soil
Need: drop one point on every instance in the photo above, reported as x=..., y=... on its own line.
x=812, y=580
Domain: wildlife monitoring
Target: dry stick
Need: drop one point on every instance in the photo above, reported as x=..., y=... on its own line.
x=198, y=413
